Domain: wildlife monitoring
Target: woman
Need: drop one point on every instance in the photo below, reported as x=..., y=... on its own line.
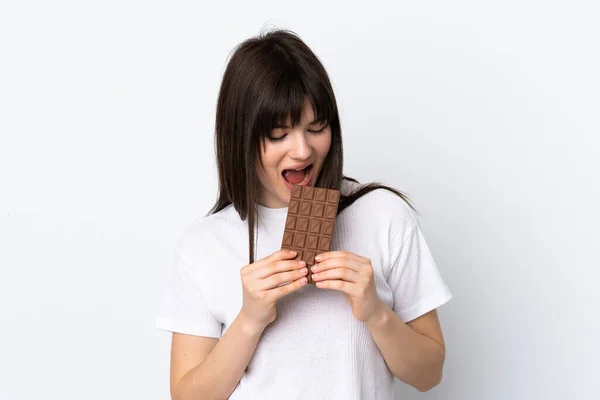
x=239, y=332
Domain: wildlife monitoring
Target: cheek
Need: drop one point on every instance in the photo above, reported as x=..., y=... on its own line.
x=270, y=161
x=324, y=144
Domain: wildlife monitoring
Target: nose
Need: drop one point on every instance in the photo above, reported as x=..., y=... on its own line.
x=302, y=149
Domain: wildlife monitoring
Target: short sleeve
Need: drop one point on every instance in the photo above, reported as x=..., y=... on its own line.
x=414, y=278
x=183, y=308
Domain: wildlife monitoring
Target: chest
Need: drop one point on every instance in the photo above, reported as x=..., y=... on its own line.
x=223, y=288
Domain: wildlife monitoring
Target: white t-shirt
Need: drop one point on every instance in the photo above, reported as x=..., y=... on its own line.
x=316, y=348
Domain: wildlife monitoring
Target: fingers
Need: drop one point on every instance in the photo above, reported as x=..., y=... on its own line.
x=349, y=288
x=277, y=274
x=276, y=267
x=350, y=263
x=282, y=254
x=289, y=288
x=276, y=280
x=340, y=254
x=344, y=274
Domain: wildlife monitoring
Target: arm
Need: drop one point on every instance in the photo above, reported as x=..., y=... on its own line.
x=414, y=351
x=210, y=368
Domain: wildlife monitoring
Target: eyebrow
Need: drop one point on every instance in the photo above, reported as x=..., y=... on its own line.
x=276, y=126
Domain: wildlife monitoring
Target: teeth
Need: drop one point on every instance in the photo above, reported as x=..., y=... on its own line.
x=305, y=177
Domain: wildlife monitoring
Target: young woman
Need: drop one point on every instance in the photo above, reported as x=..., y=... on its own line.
x=239, y=332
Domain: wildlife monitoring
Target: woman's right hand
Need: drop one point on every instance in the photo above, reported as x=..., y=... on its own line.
x=262, y=285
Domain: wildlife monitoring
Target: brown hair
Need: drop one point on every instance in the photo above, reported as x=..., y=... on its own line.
x=267, y=80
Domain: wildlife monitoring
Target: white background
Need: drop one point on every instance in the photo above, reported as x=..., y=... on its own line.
x=486, y=115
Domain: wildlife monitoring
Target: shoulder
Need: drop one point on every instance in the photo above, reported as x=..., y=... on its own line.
x=200, y=234
x=382, y=205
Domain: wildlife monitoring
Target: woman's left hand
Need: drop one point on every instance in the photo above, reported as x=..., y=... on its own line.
x=352, y=275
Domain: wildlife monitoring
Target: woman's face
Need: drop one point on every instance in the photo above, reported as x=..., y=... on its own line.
x=292, y=155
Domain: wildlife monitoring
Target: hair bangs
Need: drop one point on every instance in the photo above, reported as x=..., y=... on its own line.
x=284, y=104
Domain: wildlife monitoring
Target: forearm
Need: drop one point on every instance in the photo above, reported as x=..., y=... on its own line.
x=218, y=374
x=412, y=357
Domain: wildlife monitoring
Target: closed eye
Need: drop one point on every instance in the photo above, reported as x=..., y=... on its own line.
x=277, y=139
x=325, y=125
x=319, y=131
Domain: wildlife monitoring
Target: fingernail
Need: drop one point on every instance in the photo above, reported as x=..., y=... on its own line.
x=318, y=258
x=314, y=268
x=292, y=253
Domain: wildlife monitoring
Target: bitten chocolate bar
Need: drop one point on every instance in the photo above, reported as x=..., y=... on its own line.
x=309, y=223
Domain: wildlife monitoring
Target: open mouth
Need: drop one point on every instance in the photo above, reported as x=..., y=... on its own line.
x=297, y=177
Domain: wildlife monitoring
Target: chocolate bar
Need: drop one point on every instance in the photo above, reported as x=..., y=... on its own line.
x=309, y=223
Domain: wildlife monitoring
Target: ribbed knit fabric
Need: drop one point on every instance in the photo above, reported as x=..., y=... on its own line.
x=315, y=349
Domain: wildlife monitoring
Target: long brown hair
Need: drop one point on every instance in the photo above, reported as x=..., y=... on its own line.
x=267, y=79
